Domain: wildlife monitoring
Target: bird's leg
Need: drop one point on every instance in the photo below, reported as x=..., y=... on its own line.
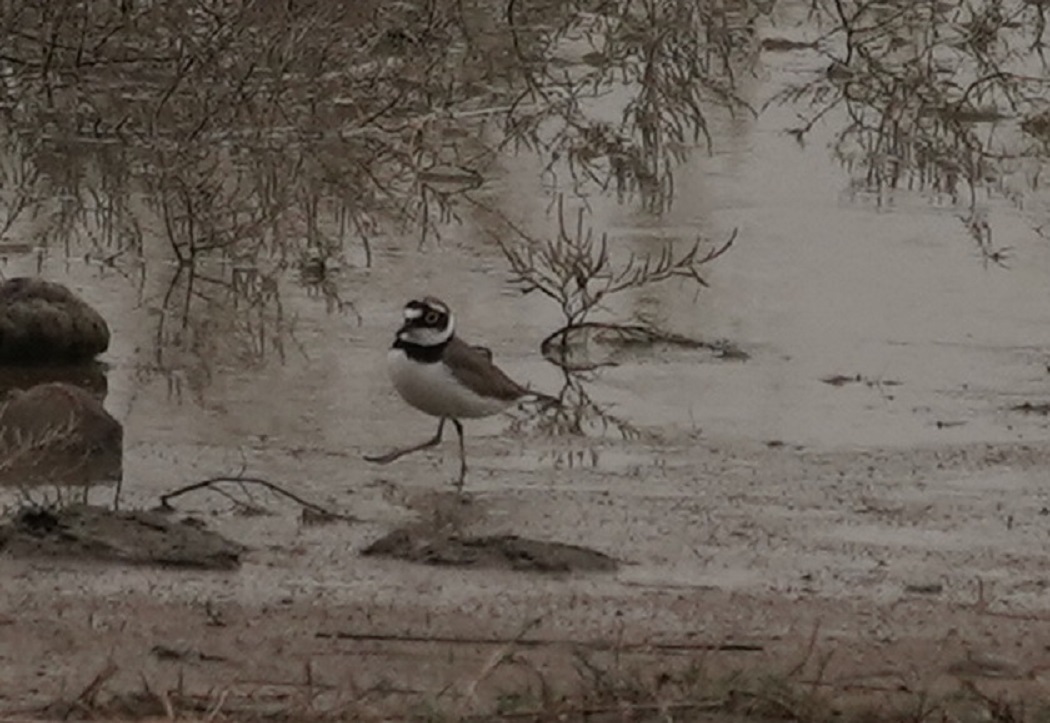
x=399, y=453
x=462, y=455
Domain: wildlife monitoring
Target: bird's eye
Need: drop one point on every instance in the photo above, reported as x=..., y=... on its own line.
x=431, y=318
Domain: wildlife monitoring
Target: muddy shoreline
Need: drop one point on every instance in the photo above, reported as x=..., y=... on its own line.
x=279, y=656
x=886, y=573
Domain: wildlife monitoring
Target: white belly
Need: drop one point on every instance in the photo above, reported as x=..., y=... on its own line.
x=431, y=388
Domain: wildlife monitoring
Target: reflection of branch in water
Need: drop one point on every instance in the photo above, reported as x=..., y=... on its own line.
x=576, y=414
x=57, y=203
x=671, y=61
x=924, y=88
x=19, y=178
x=242, y=124
x=177, y=354
x=318, y=275
x=238, y=313
x=981, y=232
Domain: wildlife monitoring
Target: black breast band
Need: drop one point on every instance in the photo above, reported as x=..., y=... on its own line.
x=421, y=353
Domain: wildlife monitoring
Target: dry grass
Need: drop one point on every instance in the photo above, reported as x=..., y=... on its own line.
x=51, y=467
x=595, y=686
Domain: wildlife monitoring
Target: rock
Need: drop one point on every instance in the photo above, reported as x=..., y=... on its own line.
x=90, y=375
x=58, y=434
x=42, y=322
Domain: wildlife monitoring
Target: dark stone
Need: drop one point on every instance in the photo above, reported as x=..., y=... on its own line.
x=58, y=434
x=42, y=322
x=89, y=375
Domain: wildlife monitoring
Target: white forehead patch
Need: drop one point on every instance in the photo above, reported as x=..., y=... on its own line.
x=412, y=312
x=426, y=337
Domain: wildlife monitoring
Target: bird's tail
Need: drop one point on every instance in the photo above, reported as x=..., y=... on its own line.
x=545, y=400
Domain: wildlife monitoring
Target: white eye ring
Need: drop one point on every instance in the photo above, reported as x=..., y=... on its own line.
x=431, y=317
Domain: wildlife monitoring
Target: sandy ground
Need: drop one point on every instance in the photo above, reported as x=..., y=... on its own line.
x=876, y=571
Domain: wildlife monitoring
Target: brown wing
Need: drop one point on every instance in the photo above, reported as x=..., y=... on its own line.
x=474, y=368
x=483, y=349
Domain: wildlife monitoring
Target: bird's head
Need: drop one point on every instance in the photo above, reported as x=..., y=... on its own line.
x=427, y=322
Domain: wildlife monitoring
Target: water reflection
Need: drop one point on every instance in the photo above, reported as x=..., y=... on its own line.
x=936, y=98
x=214, y=317
x=223, y=173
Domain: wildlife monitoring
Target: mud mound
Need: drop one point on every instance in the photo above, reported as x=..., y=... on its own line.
x=499, y=551
x=589, y=345
x=42, y=322
x=136, y=537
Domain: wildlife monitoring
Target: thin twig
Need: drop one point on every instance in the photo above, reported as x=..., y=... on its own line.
x=541, y=642
x=621, y=710
x=165, y=499
x=495, y=660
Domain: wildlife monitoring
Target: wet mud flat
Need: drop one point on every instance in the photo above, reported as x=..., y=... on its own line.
x=296, y=661
x=873, y=576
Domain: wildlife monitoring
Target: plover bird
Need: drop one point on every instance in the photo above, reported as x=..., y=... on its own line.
x=439, y=374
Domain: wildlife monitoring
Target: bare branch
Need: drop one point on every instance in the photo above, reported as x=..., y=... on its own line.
x=213, y=482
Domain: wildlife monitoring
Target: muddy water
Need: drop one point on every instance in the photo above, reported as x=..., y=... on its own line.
x=916, y=475
x=826, y=281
